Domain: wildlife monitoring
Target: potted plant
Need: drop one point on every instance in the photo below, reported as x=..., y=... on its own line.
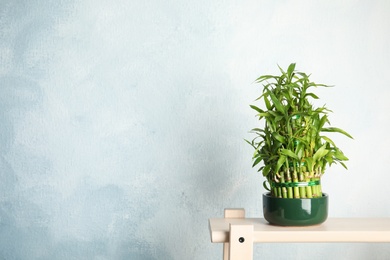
x=292, y=149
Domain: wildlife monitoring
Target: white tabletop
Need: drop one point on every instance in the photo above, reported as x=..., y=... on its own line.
x=332, y=230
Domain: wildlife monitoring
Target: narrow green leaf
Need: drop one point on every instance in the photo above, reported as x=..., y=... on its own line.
x=289, y=153
x=310, y=164
x=340, y=156
x=320, y=153
x=267, y=103
x=258, y=159
x=312, y=95
x=265, y=77
x=343, y=164
x=261, y=96
x=281, y=161
x=276, y=102
x=323, y=120
x=327, y=139
x=278, y=118
x=275, y=113
x=329, y=158
x=299, y=150
x=257, y=109
x=282, y=71
x=290, y=69
x=261, y=115
x=334, y=130
x=265, y=186
x=250, y=143
x=258, y=130
x=266, y=170
x=278, y=137
x=312, y=84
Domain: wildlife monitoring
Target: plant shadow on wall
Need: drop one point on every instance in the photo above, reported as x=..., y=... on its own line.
x=292, y=146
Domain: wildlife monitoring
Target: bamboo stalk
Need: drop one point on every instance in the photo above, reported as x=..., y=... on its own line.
x=274, y=190
x=284, y=190
x=278, y=189
x=279, y=192
x=290, y=193
x=302, y=190
x=296, y=189
x=309, y=190
x=318, y=188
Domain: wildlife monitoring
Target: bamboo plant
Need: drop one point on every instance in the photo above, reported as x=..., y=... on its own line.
x=291, y=148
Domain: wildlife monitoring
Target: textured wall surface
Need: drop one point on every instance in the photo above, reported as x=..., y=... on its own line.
x=122, y=122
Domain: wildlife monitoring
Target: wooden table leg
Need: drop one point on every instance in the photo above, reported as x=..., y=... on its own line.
x=241, y=242
x=231, y=213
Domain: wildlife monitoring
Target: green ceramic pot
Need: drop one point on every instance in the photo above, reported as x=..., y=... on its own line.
x=295, y=212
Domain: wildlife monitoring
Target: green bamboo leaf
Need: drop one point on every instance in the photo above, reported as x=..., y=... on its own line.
x=281, y=161
x=336, y=130
x=276, y=102
x=303, y=75
x=312, y=84
x=290, y=69
x=257, y=109
x=271, y=126
x=265, y=186
x=320, y=153
x=261, y=115
x=282, y=71
x=322, y=110
x=262, y=95
x=275, y=113
x=310, y=164
x=340, y=156
x=267, y=103
x=289, y=153
x=278, y=137
x=251, y=144
x=329, y=158
x=278, y=118
x=258, y=130
x=312, y=95
x=327, y=139
x=258, y=159
x=323, y=120
x=343, y=164
x=266, y=170
x=299, y=150
x=265, y=77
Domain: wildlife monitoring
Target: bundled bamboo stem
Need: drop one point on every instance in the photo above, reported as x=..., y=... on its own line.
x=290, y=193
x=296, y=189
x=302, y=190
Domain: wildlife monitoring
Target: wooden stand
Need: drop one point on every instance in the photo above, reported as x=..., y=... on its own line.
x=239, y=233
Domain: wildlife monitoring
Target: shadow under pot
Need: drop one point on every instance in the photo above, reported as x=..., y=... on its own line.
x=295, y=212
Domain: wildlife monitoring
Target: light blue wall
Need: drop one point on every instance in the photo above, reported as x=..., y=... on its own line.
x=122, y=122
